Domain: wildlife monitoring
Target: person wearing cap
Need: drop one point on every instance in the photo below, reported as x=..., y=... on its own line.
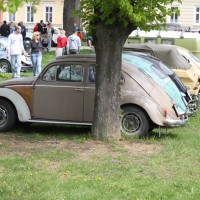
x=15, y=48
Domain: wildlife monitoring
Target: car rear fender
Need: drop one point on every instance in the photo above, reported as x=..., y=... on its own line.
x=153, y=110
x=18, y=102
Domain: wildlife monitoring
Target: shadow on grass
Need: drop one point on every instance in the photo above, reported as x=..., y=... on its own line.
x=164, y=134
x=45, y=131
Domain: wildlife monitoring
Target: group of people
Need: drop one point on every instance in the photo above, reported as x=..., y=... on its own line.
x=7, y=29
x=68, y=45
x=15, y=47
x=45, y=30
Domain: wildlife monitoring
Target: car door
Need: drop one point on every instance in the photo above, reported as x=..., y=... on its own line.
x=58, y=93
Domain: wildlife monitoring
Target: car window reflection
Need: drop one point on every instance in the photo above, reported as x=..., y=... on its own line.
x=70, y=73
x=50, y=74
x=91, y=74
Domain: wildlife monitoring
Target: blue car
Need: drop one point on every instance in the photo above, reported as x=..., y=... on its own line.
x=161, y=78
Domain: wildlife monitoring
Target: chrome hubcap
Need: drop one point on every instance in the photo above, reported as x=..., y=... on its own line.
x=3, y=67
x=131, y=123
x=3, y=116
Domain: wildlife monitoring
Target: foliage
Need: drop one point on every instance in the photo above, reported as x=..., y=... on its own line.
x=11, y=6
x=146, y=14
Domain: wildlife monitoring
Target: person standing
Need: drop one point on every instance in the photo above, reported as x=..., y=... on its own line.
x=61, y=43
x=23, y=29
x=12, y=27
x=36, y=53
x=40, y=27
x=49, y=33
x=15, y=48
x=80, y=35
x=74, y=43
x=5, y=29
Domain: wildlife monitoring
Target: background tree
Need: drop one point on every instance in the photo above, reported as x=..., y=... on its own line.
x=68, y=18
x=11, y=6
x=110, y=23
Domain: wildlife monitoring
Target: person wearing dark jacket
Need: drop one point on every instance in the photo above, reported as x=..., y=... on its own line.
x=4, y=29
x=40, y=27
x=36, y=53
x=21, y=24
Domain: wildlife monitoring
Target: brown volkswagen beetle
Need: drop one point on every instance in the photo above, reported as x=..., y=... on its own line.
x=64, y=93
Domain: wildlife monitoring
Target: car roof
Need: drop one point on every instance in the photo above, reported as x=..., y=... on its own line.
x=167, y=53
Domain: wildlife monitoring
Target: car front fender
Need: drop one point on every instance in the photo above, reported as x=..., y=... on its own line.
x=19, y=103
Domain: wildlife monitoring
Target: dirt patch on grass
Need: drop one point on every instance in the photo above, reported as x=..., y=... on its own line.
x=14, y=146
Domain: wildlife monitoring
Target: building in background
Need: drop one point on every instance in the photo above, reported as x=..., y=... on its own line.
x=52, y=10
x=189, y=14
x=48, y=10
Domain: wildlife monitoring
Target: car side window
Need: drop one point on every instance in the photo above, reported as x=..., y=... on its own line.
x=50, y=74
x=91, y=74
x=70, y=73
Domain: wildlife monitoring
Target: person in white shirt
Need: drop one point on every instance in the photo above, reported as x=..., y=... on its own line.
x=14, y=51
x=74, y=43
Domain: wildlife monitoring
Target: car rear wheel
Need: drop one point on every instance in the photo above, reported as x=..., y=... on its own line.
x=5, y=66
x=134, y=122
x=8, y=116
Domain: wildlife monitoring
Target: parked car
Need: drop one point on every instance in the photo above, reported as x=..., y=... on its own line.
x=190, y=58
x=160, y=77
x=189, y=40
x=173, y=59
x=166, y=70
x=64, y=93
x=5, y=65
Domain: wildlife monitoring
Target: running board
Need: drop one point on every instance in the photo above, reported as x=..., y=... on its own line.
x=60, y=122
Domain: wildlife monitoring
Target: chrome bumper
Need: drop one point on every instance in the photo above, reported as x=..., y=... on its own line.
x=174, y=123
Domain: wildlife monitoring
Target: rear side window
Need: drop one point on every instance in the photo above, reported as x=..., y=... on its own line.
x=91, y=74
x=158, y=72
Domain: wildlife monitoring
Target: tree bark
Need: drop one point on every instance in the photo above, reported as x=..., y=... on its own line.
x=109, y=41
x=68, y=19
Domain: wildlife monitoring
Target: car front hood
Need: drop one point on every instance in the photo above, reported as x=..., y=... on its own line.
x=18, y=81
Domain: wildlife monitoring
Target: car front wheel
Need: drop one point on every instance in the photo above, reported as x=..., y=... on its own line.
x=7, y=116
x=5, y=66
x=134, y=122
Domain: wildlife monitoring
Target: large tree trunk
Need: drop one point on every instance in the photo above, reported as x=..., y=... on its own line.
x=109, y=41
x=68, y=19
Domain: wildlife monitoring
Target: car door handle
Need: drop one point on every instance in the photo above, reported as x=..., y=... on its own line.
x=79, y=89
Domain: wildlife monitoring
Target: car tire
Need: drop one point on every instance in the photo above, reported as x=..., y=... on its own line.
x=8, y=116
x=5, y=66
x=134, y=122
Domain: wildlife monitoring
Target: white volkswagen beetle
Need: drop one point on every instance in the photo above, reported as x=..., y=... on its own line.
x=5, y=65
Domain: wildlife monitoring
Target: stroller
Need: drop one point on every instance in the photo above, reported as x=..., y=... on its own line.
x=44, y=41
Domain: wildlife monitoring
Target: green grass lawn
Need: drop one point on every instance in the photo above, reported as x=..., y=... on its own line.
x=61, y=162
x=57, y=162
